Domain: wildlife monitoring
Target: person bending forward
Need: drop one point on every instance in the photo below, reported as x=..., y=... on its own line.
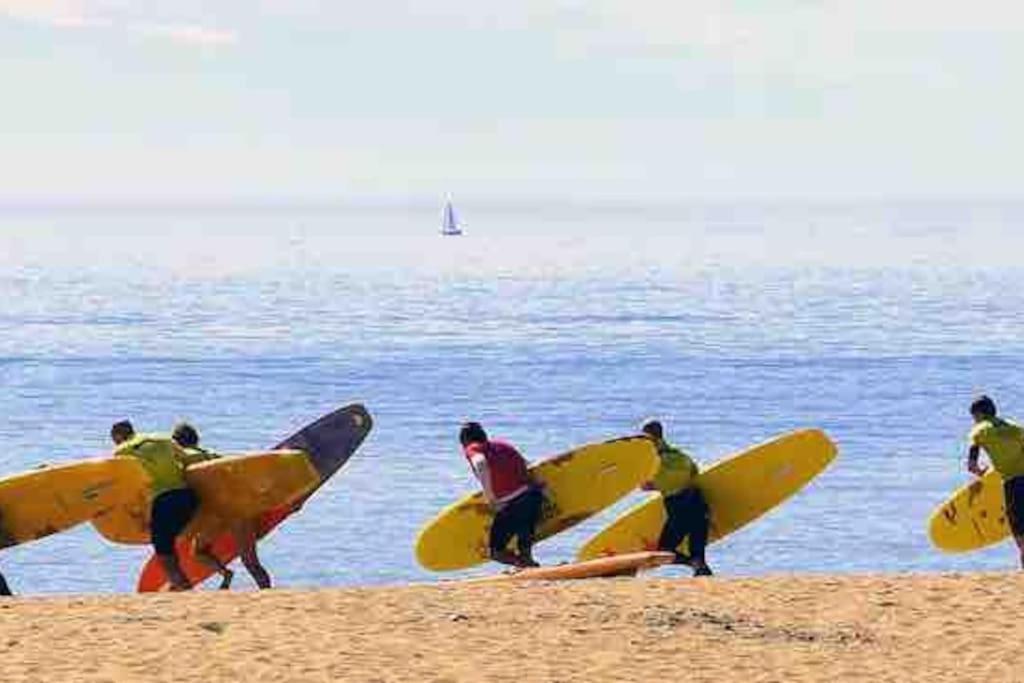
x=244, y=531
x=1003, y=442
x=515, y=498
x=686, y=512
x=174, y=503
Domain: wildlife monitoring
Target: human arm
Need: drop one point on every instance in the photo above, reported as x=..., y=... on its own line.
x=649, y=485
x=972, y=461
x=479, y=464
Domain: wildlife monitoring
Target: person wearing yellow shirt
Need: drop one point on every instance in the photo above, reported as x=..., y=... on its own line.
x=1003, y=442
x=174, y=503
x=244, y=531
x=686, y=511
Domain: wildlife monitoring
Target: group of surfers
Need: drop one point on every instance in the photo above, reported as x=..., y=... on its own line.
x=515, y=497
x=517, y=500
x=174, y=504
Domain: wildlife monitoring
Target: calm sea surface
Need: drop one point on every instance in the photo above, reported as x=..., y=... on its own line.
x=553, y=326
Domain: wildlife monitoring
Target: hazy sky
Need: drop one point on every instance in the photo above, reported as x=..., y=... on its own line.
x=573, y=99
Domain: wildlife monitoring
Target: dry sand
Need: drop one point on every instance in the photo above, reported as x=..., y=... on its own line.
x=884, y=628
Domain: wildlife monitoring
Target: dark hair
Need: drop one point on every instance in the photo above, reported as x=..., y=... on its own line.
x=122, y=431
x=472, y=432
x=653, y=428
x=983, y=405
x=186, y=435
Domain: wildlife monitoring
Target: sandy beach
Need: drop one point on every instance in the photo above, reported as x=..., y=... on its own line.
x=881, y=628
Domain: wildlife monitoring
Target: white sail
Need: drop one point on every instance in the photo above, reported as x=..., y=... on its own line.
x=449, y=223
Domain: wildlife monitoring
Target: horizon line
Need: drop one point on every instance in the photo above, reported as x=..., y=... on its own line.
x=480, y=201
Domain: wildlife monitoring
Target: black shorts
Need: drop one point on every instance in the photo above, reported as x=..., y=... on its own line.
x=170, y=514
x=518, y=518
x=1013, y=493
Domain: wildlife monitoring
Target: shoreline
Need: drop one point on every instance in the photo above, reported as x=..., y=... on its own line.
x=877, y=627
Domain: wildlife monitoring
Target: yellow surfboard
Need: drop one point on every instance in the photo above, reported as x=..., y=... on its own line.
x=972, y=518
x=578, y=484
x=55, y=498
x=738, y=490
x=230, y=488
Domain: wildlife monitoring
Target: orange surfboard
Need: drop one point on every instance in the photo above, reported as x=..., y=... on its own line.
x=618, y=565
x=329, y=442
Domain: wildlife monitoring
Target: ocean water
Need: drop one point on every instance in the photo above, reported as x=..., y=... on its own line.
x=554, y=326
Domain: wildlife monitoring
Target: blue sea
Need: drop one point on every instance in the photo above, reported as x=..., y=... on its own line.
x=554, y=325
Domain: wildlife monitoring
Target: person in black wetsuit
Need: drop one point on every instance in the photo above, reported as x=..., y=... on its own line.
x=686, y=511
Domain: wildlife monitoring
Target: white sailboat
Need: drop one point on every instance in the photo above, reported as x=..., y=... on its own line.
x=449, y=223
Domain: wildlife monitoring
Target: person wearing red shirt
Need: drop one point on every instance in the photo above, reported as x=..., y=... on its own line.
x=513, y=495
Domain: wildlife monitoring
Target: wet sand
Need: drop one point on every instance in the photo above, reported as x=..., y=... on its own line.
x=806, y=628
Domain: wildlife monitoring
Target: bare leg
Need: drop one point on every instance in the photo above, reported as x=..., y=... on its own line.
x=173, y=570
x=6, y=540
x=204, y=555
x=245, y=537
x=1020, y=546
